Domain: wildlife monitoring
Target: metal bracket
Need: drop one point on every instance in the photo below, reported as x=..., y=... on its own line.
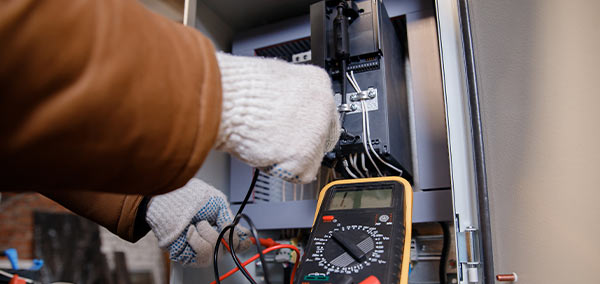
x=345, y=108
x=369, y=96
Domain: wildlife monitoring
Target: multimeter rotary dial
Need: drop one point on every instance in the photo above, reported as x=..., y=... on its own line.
x=347, y=249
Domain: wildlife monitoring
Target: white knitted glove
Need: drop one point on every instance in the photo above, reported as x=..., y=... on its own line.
x=277, y=116
x=187, y=223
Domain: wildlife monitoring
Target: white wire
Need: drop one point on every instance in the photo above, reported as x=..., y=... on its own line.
x=355, y=161
x=364, y=126
x=354, y=84
x=365, y=138
x=9, y=275
x=366, y=130
x=371, y=145
x=362, y=163
x=348, y=169
x=354, y=165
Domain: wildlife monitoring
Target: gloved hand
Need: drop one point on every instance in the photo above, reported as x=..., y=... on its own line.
x=277, y=116
x=187, y=223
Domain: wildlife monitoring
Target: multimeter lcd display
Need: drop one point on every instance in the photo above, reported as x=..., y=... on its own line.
x=359, y=199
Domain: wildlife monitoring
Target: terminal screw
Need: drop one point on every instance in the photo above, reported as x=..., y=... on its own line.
x=371, y=93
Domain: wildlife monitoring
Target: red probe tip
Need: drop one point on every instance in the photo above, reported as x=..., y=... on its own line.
x=265, y=242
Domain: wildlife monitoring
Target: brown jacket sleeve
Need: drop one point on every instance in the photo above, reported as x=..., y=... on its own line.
x=116, y=212
x=102, y=96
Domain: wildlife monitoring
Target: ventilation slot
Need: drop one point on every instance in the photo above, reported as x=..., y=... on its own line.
x=285, y=50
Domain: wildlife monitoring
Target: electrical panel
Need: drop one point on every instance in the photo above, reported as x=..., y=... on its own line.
x=409, y=117
x=393, y=55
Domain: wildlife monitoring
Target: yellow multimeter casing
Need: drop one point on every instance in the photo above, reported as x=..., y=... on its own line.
x=368, y=236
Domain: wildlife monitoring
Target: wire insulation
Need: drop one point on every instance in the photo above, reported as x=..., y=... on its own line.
x=255, y=257
x=363, y=165
x=231, y=227
x=10, y=275
x=354, y=84
x=234, y=256
x=371, y=145
x=215, y=256
x=364, y=142
x=257, y=243
x=363, y=105
x=354, y=164
x=350, y=173
x=366, y=125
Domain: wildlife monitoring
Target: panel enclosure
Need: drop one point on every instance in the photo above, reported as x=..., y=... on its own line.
x=432, y=199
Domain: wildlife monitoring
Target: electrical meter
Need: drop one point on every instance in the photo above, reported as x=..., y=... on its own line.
x=362, y=230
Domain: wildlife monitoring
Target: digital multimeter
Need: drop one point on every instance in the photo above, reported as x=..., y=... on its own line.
x=362, y=230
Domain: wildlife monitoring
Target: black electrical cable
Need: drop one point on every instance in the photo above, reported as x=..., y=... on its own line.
x=260, y=253
x=216, y=256
x=230, y=227
x=445, y=249
x=234, y=254
x=287, y=274
x=343, y=91
x=343, y=70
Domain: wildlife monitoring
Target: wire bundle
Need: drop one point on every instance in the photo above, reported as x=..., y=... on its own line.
x=366, y=141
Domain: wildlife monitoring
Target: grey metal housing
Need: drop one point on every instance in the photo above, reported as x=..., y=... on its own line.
x=372, y=40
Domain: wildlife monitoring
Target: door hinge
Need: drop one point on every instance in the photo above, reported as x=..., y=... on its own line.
x=468, y=252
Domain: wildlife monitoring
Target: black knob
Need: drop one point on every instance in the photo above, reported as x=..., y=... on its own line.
x=349, y=246
x=345, y=279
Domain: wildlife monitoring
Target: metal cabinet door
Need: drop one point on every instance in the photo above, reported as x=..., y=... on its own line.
x=527, y=107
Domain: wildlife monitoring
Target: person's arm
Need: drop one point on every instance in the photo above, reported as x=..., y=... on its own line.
x=106, y=96
x=124, y=215
x=102, y=96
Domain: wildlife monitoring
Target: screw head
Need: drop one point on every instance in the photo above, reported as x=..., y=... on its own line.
x=354, y=97
x=371, y=93
x=353, y=107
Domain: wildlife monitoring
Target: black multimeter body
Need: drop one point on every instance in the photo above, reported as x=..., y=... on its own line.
x=362, y=229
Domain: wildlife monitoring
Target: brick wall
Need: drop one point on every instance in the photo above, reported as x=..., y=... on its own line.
x=142, y=256
x=16, y=231
x=16, y=220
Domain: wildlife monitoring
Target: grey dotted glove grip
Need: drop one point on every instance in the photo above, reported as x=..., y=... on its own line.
x=188, y=220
